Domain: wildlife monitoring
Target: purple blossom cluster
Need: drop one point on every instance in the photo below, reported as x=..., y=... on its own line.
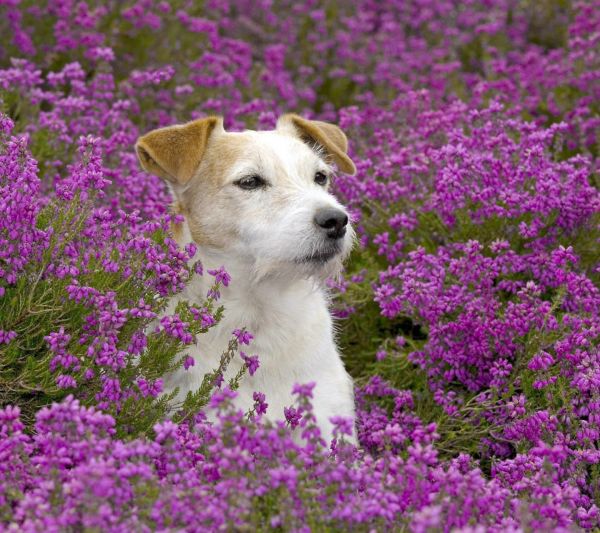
x=20, y=241
x=73, y=473
x=474, y=127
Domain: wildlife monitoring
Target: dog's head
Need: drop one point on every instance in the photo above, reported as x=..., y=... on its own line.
x=257, y=196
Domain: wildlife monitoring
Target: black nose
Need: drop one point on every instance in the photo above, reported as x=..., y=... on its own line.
x=333, y=221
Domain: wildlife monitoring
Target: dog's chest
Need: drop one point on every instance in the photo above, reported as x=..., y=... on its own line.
x=292, y=337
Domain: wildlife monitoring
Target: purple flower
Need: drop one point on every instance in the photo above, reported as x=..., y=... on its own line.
x=260, y=404
x=221, y=276
x=293, y=416
x=304, y=390
x=64, y=381
x=7, y=336
x=243, y=336
x=221, y=396
x=251, y=362
x=342, y=425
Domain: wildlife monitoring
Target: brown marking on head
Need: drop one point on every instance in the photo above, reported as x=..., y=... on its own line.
x=201, y=197
x=329, y=136
x=225, y=150
x=175, y=153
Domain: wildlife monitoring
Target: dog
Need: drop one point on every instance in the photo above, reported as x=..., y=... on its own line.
x=258, y=202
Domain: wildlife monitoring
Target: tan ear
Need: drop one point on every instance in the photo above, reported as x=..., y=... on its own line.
x=329, y=136
x=174, y=153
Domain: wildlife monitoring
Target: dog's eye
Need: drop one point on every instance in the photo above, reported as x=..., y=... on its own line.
x=250, y=183
x=321, y=178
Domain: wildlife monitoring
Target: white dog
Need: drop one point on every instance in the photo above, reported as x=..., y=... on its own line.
x=257, y=202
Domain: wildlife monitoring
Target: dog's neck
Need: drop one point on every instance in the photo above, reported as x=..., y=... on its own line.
x=245, y=280
x=280, y=303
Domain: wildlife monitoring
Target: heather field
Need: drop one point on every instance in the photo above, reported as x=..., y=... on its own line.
x=468, y=312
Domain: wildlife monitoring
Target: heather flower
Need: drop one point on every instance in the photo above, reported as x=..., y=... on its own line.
x=222, y=396
x=147, y=388
x=188, y=362
x=293, y=416
x=175, y=327
x=243, y=336
x=20, y=240
x=342, y=425
x=304, y=390
x=66, y=382
x=251, y=362
x=542, y=361
x=260, y=404
x=221, y=276
x=7, y=336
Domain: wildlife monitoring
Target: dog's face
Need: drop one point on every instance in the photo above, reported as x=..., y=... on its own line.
x=259, y=197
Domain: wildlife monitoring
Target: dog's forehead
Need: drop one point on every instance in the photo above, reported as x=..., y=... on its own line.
x=270, y=151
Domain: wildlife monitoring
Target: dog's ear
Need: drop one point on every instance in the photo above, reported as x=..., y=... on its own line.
x=174, y=153
x=328, y=136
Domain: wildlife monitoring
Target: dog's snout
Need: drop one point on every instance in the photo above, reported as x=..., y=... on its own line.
x=333, y=221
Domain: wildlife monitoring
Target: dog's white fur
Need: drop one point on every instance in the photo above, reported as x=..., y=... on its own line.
x=265, y=239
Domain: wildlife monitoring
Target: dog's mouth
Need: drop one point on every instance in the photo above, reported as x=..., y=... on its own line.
x=319, y=257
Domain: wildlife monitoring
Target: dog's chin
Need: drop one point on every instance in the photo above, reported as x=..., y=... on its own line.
x=322, y=255
x=320, y=264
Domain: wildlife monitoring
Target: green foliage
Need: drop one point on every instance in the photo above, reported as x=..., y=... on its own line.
x=39, y=304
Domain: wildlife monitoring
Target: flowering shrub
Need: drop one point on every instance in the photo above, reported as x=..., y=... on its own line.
x=469, y=313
